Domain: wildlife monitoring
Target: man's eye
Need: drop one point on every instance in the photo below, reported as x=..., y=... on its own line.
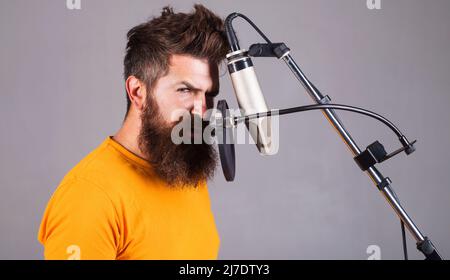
x=184, y=90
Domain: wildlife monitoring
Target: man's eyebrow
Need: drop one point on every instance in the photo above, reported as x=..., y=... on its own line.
x=213, y=93
x=189, y=85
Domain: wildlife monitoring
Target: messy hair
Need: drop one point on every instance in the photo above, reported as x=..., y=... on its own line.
x=150, y=44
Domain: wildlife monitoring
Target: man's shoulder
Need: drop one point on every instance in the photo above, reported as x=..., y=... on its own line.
x=102, y=167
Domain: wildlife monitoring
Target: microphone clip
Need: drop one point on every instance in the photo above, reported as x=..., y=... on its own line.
x=375, y=153
x=277, y=50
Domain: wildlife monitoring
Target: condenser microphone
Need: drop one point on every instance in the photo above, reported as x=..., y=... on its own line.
x=250, y=99
x=247, y=90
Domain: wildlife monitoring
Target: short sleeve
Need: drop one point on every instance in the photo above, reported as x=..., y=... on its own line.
x=80, y=222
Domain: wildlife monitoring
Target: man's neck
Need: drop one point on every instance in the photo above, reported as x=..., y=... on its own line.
x=128, y=134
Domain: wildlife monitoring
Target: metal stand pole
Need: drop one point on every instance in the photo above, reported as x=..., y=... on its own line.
x=382, y=183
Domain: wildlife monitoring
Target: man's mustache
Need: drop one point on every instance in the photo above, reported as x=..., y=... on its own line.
x=193, y=121
x=192, y=126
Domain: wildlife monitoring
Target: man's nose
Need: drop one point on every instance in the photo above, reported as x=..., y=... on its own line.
x=199, y=107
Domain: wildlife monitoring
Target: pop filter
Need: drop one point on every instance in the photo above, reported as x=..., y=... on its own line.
x=226, y=143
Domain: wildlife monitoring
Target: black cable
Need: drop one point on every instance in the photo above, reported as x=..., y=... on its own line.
x=405, y=248
x=337, y=107
x=402, y=225
x=321, y=107
x=231, y=34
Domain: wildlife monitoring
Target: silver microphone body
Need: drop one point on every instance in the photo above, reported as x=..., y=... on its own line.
x=250, y=99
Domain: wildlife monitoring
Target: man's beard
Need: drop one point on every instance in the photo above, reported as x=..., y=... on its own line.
x=178, y=165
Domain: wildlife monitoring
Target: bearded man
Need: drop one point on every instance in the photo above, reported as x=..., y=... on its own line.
x=139, y=195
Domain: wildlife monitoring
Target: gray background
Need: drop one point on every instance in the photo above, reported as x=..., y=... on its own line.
x=62, y=93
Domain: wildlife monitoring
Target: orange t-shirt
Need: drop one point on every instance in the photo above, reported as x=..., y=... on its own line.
x=112, y=206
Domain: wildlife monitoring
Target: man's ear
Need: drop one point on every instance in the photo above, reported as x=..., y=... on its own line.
x=137, y=92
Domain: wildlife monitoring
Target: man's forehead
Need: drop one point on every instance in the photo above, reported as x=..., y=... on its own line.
x=197, y=71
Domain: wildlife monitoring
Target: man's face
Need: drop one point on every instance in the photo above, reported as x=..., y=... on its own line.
x=188, y=87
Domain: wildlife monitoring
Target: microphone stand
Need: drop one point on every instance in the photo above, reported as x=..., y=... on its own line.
x=365, y=159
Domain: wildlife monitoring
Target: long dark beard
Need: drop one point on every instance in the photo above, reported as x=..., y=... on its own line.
x=181, y=165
